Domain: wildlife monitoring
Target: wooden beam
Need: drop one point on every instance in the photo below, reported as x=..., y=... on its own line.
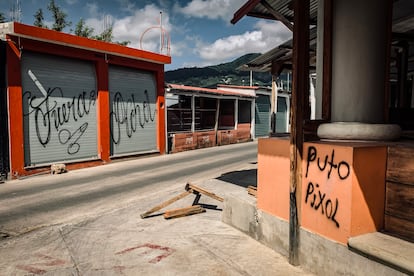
x=387, y=84
x=182, y=212
x=277, y=15
x=300, y=88
x=252, y=190
x=166, y=203
x=195, y=189
x=327, y=61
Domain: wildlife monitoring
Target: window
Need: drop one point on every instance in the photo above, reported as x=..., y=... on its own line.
x=226, y=116
x=205, y=113
x=179, y=115
x=244, y=112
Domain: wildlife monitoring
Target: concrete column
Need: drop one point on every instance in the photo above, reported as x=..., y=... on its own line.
x=359, y=61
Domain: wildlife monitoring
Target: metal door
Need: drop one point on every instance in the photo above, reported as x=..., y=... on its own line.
x=133, y=111
x=59, y=96
x=262, y=116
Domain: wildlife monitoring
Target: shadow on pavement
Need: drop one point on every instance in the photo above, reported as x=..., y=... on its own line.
x=242, y=178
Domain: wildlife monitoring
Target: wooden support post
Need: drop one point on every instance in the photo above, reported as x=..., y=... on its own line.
x=166, y=203
x=195, y=189
x=300, y=88
x=327, y=60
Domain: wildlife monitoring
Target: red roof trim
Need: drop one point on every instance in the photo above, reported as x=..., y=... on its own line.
x=55, y=37
x=238, y=86
x=206, y=90
x=245, y=9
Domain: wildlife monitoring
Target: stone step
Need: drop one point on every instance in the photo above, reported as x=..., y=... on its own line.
x=385, y=249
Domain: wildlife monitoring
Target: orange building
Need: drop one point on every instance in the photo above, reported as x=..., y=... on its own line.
x=72, y=100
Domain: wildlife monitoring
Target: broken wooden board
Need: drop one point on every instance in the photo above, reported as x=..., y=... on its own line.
x=252, y=190
x=182, y=212
x=195, y=189
x=166, y=203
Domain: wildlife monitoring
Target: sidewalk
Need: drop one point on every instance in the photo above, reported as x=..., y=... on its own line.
x=119, y=242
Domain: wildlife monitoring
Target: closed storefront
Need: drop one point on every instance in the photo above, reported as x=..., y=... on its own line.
x=59, y=110
x=133, y=111
x=72, y=102
x=262, y=116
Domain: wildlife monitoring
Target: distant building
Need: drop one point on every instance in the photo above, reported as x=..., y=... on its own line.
x=203, y=117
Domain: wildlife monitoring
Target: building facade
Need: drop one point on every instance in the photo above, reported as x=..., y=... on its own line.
x=77, y=101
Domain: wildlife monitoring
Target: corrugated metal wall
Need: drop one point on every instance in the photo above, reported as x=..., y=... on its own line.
x=59, y=96
x=133, y=111
x=262, y=116
x=282, y=118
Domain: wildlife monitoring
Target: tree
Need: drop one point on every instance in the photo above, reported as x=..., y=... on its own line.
x=82, y=30
x=2, y=18
x=39, y=19
x=59, y=16
x=106, y=35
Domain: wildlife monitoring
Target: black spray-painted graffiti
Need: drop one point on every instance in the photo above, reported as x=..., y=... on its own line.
x=317, y=199
x=130, y=115
x=51, y=115
x=342, y=168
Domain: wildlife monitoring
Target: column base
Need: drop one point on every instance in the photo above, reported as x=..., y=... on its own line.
x=359, y=131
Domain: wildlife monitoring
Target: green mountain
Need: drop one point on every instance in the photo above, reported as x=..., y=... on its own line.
x=225, y=73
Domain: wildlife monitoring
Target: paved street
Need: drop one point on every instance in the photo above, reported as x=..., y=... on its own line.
x=51, y=199
x=87, y=222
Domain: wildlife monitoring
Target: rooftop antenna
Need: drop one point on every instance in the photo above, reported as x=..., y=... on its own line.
x=16, y=12
x=164, y=37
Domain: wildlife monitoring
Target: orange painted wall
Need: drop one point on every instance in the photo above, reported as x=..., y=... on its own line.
x=343, y=189
x=273, y=176
x=15, y=103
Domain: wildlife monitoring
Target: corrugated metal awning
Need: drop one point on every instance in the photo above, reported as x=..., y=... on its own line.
x=257, y=8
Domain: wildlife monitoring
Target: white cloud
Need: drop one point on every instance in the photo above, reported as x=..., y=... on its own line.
x=126, y=5
x=71, y=2
x=266, y=36
x=212, y=9
x=92, y=9
x=141, y=28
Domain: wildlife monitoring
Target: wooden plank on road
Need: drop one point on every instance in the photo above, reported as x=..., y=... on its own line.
x=166, y=203
x=195, y=189
x=182, y=212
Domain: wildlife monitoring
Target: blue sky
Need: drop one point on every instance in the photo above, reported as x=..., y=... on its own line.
x=199, y=30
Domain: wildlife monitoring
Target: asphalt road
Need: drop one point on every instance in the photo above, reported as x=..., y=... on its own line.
x=40, y=201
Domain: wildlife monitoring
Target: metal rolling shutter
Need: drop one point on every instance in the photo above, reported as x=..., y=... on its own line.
x=59, y=96
x=262, y=116
x=133, y=111
x=282, y=115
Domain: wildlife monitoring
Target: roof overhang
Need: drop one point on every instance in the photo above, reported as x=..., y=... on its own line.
x=41, y=34
x=280, y=10
x=179, y=88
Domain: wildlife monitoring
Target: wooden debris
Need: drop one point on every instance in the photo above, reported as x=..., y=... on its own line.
x=186, y=211
x=166, y=203
x=252, y=190
x=196, y=190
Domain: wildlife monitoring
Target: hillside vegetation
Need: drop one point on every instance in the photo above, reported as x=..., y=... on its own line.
x=225, y=73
